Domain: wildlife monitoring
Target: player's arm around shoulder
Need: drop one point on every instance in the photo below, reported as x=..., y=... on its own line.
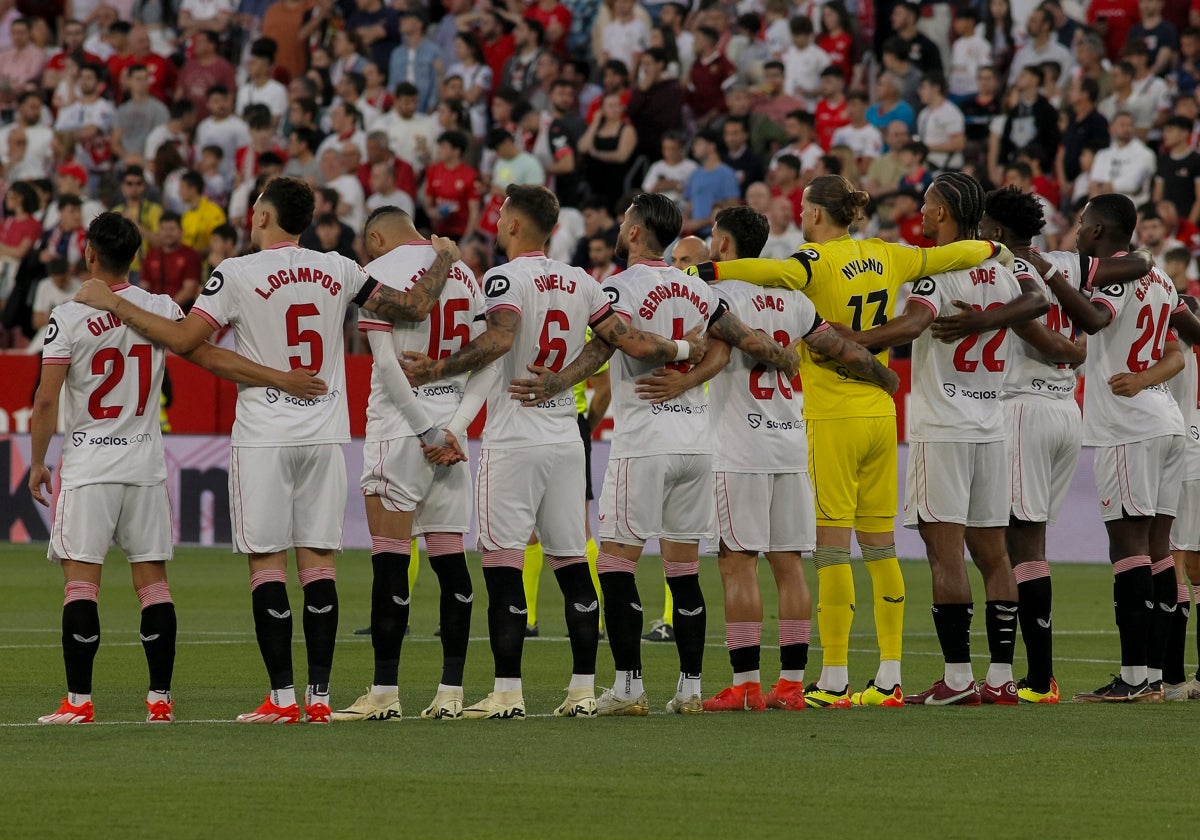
x=415, y=304
x=546, y=383
x=1090, y=314
x=758, y=345
x=796, y=272
x=665, y=384
x=919, y=311
x=853, y=356
x=1031, y=303
x=180, y=337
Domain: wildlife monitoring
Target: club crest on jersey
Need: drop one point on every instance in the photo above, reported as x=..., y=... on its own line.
x=51, y=331
x=924, y=286
x=1115, y=290
x=214, y=284
x=612, y=294
x=495, y=286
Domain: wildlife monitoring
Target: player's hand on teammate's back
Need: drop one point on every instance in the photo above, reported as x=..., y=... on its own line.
x=697, y=339
x=662, y=385
x=445, y=246
x=845, y=331
x=1126, y=384
x=531, y=392
x=1004, y=256
x=419, y=368
x=951, y=328
x=793, y=366
x=39, y=476
x=96, y=294
x=302, y=383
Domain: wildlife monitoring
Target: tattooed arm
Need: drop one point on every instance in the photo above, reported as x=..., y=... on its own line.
x=547, y=383
x=491, y=344
x=416, y=304
x=758, y=345
x=854, y=357
x=619, y=334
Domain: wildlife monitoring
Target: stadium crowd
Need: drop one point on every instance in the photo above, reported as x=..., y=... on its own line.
x=179, y=118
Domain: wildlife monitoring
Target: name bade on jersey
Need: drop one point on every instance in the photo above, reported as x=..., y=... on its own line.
x=103, y=323
x=983, y=276
x=856, y=267
x=664, y=292
x=761, y=302
x=301, y=274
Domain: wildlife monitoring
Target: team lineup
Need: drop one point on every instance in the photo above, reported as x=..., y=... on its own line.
x=711, y=441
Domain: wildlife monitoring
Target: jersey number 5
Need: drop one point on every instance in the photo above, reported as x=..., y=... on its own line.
x=297, y=336
x=990, y=362
x=110, y=361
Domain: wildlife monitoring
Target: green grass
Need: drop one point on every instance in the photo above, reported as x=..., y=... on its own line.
x=1055, y=771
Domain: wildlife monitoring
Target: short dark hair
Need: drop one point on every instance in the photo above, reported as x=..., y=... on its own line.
x=938, y=80
x=218, y=90
x=182, y=108
x=774, y=65
x=193, y=179
x=791, y=162
x=539, y=31
x=498, y=137
x=58, y=265
x=832, y=72
x=257, y=117
x=28, y=195
x=137, y=68
x=406, y=89
x=327, y=220
x=800, y=25
x=1091, y=87
x=1020, y=212
x=1117, y=212
x=659, y=215
x=456, y=139
x=116, y=241
x=536, y=203
x=748, y=228
x=120, y=27
x=227, y=232
x=307, y=136
x=264, y=48
x=293, y=202
x=69, y=200
x=214, y=150
x=135, y=170
x=801, y=116
x=383, y=212
x=170, y=216
x=269, y=158
x=712, y=34
x=1020, y=167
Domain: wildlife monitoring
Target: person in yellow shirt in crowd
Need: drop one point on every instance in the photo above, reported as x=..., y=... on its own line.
x=202, y=215
x=145, y=214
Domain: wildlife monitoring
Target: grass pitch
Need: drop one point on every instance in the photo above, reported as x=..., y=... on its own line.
x=1053, y=771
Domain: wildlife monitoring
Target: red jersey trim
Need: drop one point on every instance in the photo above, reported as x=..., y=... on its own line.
x=820, y=328
x=419, y=242
x=500, y=306
x=371, y=326
x=56, y=360
x=285, y=244
x=531, y=254
x=210, y=320
x=600, y=314
x=926, y=302
x=1180, y=307
x=119, y=287
x=651, y=263
x=1112, y=309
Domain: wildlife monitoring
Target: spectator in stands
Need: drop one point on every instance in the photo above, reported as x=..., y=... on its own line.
x=260, y=87
x=786, y=183
x=738, y=156
x=223, y=128
x=302, y=161
x=222, y=245
x=89, y=120
x=656, y=104
x=547, y=72
x=1065, y=27
x=325, y=207
x=863, y=139
x=607, y=148
x=1030, y=120
x=71, y=39
x=708, y=76
x=614, y=78
x=999, y=30
x=284, y=23
x=600, y=255
x=469, y=64
x=146, y=214
x=889, y=106
x=800, y=127
x=201, y=215
x=410, y=134
x=1178, y=178
x=783, y=237
x=345, y=123
x=1020, y=175
x=36, y=154
x=920, y=50
x=405, y=179
x=177, y=130
x=417, y=60
x=1088, y=130
x=1043, y=45
x=377, y=28
x=121, y=59
x=1149, y=90
x=908, y=76
x=520, y=70
x=1186, y=75
x=670, y=174
x=172, y=268
x=451, y=197
x=831, y=112
x=1090, y=62
x=597, y=221
x=204, y=71
x=65, y=238
x=498, y=42
x=1159, y=34
x=20, y=232
x=137, y=117
x=625, y=37
x=771, y=99
x=803, y=63
x=837, y=37
x=712, y=182
x=969, y=53
x=347, y=56
x=917, y=174
x=746, y=51
x=57, y=288
x=216, y=184
x=555, y=19
x=22, y=63
x=1126, y=166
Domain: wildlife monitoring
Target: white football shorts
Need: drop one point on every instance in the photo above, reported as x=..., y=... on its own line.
x=90, y=518
x=532, y=488
x=398, y=473
x=281, y=497
x=766, y=511
x=1185, y=530
x=668, y=497
x=1143, y=478
x=1045, y=437
x=962, y=483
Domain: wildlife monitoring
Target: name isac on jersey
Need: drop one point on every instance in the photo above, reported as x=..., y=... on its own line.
x=664, y=292
x=953, y=390
x=761, y=302
x=103, y=323
x=676, y=408
x=303, y=274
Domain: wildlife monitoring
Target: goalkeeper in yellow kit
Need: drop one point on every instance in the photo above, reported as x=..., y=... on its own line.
x=851, y=424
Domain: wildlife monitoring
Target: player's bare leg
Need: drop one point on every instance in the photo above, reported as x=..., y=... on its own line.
x=1162, y=572
x=1026, y=542
x=877, y=542
x=617, y=565
x=80, y=640
x=952, y=612
x=743, y=631
x=681, y=562
x=988, y=551
x=157, y=632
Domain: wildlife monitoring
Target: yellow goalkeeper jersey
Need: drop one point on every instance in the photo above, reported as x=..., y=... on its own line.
x=853, y=282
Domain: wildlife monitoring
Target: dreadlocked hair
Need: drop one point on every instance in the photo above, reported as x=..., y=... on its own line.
x=1020, y=212
x=963, y=197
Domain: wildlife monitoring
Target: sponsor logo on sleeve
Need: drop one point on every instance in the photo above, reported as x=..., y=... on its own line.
x=1115, y=290
x=51, y=331
x=810, y=254
x=612, y=294
x=925, y=286
x=495, y=286
x=215, y=281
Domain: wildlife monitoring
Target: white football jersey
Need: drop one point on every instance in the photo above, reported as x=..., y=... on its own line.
x=457, y=318
x=956, y=386
x=111, y=397
x=286, y=305
x=1185, y=388
x=660, y=299
x=1132, y=342
x=758, y=416
x=557, y=303
x=1027, y=372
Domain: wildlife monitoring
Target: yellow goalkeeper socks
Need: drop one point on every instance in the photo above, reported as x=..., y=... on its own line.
x=835, y=611
x=888, y=584
x=531, y=576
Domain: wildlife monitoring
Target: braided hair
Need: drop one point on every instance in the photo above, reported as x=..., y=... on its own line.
x=963, y=197
x=1019, y=212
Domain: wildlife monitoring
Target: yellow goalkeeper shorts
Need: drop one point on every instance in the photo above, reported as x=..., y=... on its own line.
x=852, y=462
